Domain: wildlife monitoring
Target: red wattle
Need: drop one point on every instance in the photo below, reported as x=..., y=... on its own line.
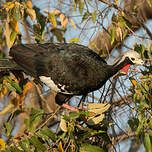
x=126, y=67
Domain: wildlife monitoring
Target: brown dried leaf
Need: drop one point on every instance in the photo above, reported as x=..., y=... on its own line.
x=56, y=12
x=119, y=34
x=15, y=26
x=3, y=92
x=27, y=87
x=7, y=34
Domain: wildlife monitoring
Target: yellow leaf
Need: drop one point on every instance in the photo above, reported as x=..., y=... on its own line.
x=63, y=124
x=73, y=40
x=52, y=19
x=7, y=109
x=73, y=24
x=133, y=81
x=64, y=20
x=13, y=36
x=98, y=108
x=95, y=120
x=4, y=90
x=117, y=1
x=61, y=147
x=28, y=3
x=8, y=5
x=2, y=144
x=31, y=13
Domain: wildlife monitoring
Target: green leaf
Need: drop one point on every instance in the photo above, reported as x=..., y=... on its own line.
x=47, y=132
x=15, y=149
x=13, y=36
x=8, y=128
x=16, y=86
x=93, y=16
x=81, y=7
x=90, y=148
x=101, y=53
x=38, y=145
x=133, y=123
x=143, y=49
x=25, y=145
x=74, y=115
x=75, y=5
x=112, y=35
x=147, y=142
x=35, y=118
x=58, y=33
x=140, y=127
x=10, y=87
x=127, y=22
x=16, y=13
x=85, y=16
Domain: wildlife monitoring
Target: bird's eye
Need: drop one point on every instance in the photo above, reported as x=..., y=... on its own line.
x=133, y=59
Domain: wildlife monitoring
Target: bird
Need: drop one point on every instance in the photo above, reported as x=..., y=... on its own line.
x=69, y=69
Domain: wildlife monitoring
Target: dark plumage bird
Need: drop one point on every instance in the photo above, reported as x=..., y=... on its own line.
x=69, y=69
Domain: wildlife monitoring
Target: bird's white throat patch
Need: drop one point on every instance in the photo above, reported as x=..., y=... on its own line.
x=50, y=83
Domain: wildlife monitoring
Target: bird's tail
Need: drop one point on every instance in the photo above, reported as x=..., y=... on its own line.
x=8, y=64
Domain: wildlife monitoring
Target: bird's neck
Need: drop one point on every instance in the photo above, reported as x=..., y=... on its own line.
x=122, y=64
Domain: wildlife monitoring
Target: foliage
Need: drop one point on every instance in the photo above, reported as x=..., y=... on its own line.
x=77, y=136
x=142, y=96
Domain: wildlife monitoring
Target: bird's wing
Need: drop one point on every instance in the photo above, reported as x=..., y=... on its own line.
x=72, y=67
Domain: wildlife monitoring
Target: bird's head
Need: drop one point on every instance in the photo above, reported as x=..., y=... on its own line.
x=134, y=57
x=127, y=59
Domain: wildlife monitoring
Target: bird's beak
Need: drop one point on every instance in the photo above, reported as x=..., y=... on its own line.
x=139, y=62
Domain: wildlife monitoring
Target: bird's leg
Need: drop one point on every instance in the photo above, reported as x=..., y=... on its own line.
x=73, y=108
x=82, y=99
x=70, y=107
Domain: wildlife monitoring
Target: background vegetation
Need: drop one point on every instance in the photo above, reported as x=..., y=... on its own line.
x=116, y=118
